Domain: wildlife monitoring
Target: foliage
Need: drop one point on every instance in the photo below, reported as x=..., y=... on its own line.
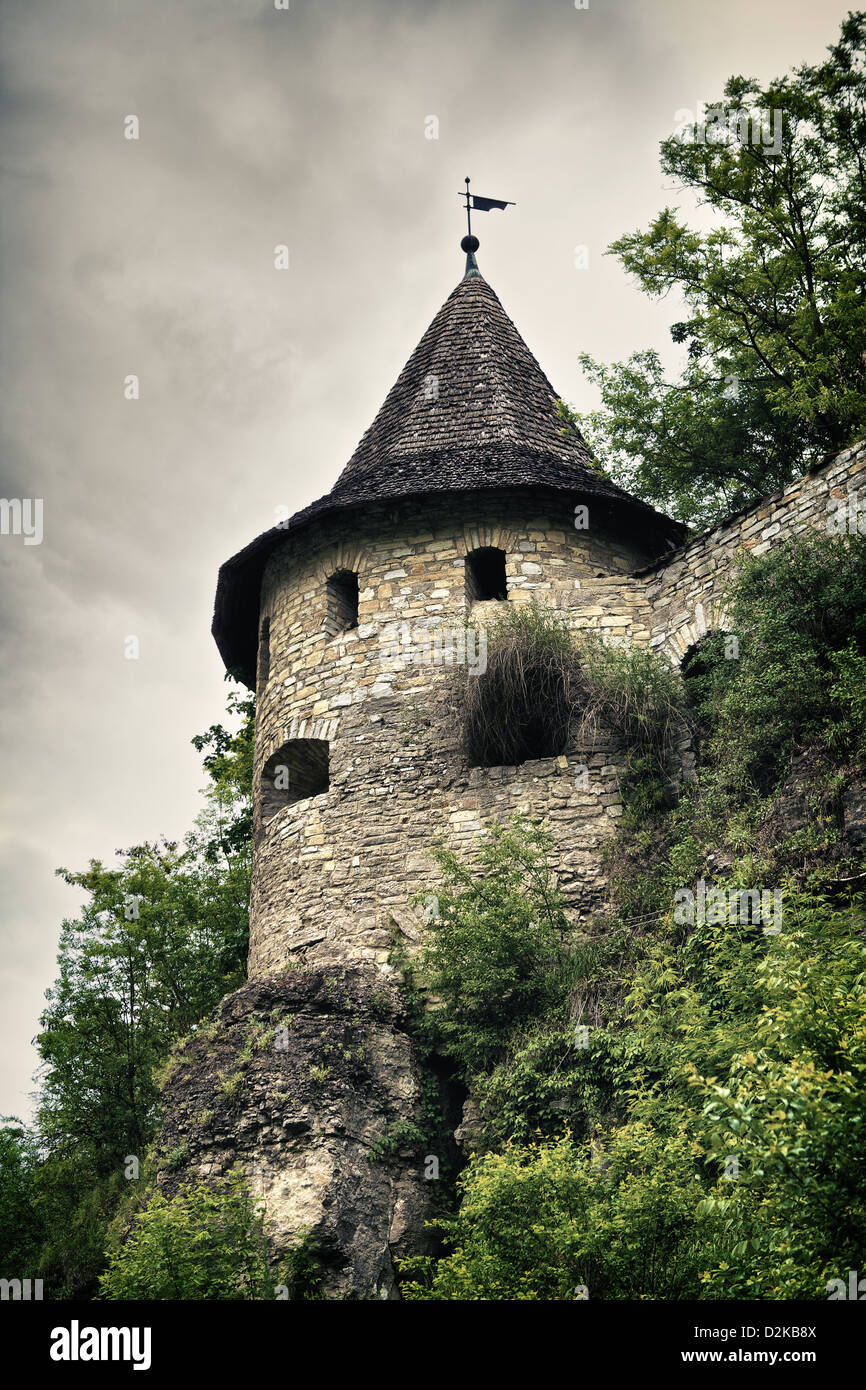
x=496, y=945
x=202, y=1243
x=774, y=291
x=704, y=1138
x=634, y=694
x=399, y=1135
x=847, y=695
x=229, y=764
x=557, y=1221
x=544, y=684
x=21, y=1227
x=747, y=1048
x=302, y=1277
x=161, y=938
x=791, y=1108
x=800, y=621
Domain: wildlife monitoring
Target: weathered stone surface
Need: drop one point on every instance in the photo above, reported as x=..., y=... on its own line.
x=301, y=1120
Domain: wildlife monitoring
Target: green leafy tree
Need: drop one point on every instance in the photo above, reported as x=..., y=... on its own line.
x=21, y=1226
x=161, y=938
x=775, y=292
x=799, y=617
x=791, y=1109
x=562, y=1221
x=228, y=762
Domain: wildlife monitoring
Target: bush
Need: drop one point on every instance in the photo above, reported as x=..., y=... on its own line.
x=203, y=1243
x=633, y=693
x=791, y=1109
x=801, y=622
x=543, y=684
x=560, y=1221
x=495, y=953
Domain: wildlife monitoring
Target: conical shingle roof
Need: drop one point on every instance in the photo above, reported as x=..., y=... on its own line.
x=471, y=411
x=471, y=391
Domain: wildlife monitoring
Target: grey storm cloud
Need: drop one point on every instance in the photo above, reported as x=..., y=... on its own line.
x=155, y=257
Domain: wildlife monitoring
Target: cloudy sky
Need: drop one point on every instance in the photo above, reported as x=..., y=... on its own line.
x=306, y=127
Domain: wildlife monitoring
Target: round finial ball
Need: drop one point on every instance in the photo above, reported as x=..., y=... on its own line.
x=470, y=243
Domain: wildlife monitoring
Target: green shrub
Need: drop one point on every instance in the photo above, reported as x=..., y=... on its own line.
x=560, y=1221
x=203, y=1243
x=495, y=953
x=635, y=694
x=801, y=622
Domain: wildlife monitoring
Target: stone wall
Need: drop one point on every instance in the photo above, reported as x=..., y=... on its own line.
x=686, y=591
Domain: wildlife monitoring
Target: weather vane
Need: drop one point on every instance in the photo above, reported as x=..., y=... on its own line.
x=475, y=203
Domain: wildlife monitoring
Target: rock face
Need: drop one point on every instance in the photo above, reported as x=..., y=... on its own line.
x=296, y=1080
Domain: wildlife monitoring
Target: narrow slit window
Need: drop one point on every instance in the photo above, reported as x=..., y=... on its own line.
x=485, y=574
x=341, y=613
x=264, y=654
x=295, y=772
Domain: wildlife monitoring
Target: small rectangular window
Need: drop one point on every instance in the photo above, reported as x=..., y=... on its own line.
x=485, y=574
x=264, y=670
x=341, y=613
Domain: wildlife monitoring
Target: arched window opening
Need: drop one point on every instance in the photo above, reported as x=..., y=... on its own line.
x=295, y=772
x=485, y=574
x=706, y=670
x=341, y=602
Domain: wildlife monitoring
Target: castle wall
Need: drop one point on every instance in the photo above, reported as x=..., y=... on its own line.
x=686, y=592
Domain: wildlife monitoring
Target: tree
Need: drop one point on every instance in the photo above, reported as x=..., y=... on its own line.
x=161, y=938
x=775, y=372
x=20, y=1225
x=229, y=764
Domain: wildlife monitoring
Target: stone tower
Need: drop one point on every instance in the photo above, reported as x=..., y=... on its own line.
x=463, y=494
x=461, y=497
